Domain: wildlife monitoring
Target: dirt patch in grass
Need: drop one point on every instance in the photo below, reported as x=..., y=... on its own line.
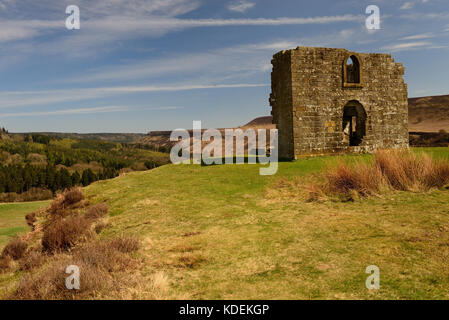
x=189, y=260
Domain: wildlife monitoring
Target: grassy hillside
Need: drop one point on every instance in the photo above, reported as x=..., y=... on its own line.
x=12, y=218
x=225, y=232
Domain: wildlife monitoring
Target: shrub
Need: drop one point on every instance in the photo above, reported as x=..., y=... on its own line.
x=15, y=249
x=97, y=211
x=31, y=220
x=63, y=233
x=73, y=196
x=63, y=202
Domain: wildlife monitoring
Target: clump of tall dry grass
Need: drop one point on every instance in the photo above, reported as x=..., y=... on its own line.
x=391, y=170
x=407, y=171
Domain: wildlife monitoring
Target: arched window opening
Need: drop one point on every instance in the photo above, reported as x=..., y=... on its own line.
x=354, y=123
x=352, y=70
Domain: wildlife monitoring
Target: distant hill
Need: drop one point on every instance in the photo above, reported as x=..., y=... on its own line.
x=264, y=122
x=429, y=114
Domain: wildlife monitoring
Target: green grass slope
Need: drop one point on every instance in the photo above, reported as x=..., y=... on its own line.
x=12, y=218
x=225, y=232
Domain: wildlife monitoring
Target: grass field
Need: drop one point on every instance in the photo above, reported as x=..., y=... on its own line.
x=12, y=218
x=225, y=232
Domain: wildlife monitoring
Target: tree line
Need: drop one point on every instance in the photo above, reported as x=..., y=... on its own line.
x=21, y=178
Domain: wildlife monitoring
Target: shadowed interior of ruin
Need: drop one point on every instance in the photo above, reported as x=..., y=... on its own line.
x=354, y=122
x=352, y=70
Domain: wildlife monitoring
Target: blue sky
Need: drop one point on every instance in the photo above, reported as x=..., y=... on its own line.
x=141, y=65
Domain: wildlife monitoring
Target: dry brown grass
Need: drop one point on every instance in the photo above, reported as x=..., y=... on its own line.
x=15, y=249
x=50, y=283
x=189, y=260
x=362, y=179
x=124, y=244
x=182, y=248
x=108, y=255
x=32, y=260
x=5, y=263
x=391, y=169
x=100, y=225
x=97, y=211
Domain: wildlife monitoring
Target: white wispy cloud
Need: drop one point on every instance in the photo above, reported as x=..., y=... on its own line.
x=419, y=36
x=66, y=111
x=123, y=27
x=92, y=110
x=9, y=99
x=223, y=64
x=412, y=46
x=407, y=5
x=241, y=6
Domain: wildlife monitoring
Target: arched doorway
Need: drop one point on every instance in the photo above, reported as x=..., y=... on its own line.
x=354, y=122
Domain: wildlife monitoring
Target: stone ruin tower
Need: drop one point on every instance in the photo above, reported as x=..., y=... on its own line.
x=330, y=101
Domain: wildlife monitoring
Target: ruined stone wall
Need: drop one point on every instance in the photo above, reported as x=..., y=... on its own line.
x=281, y=100
x=310, y=95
